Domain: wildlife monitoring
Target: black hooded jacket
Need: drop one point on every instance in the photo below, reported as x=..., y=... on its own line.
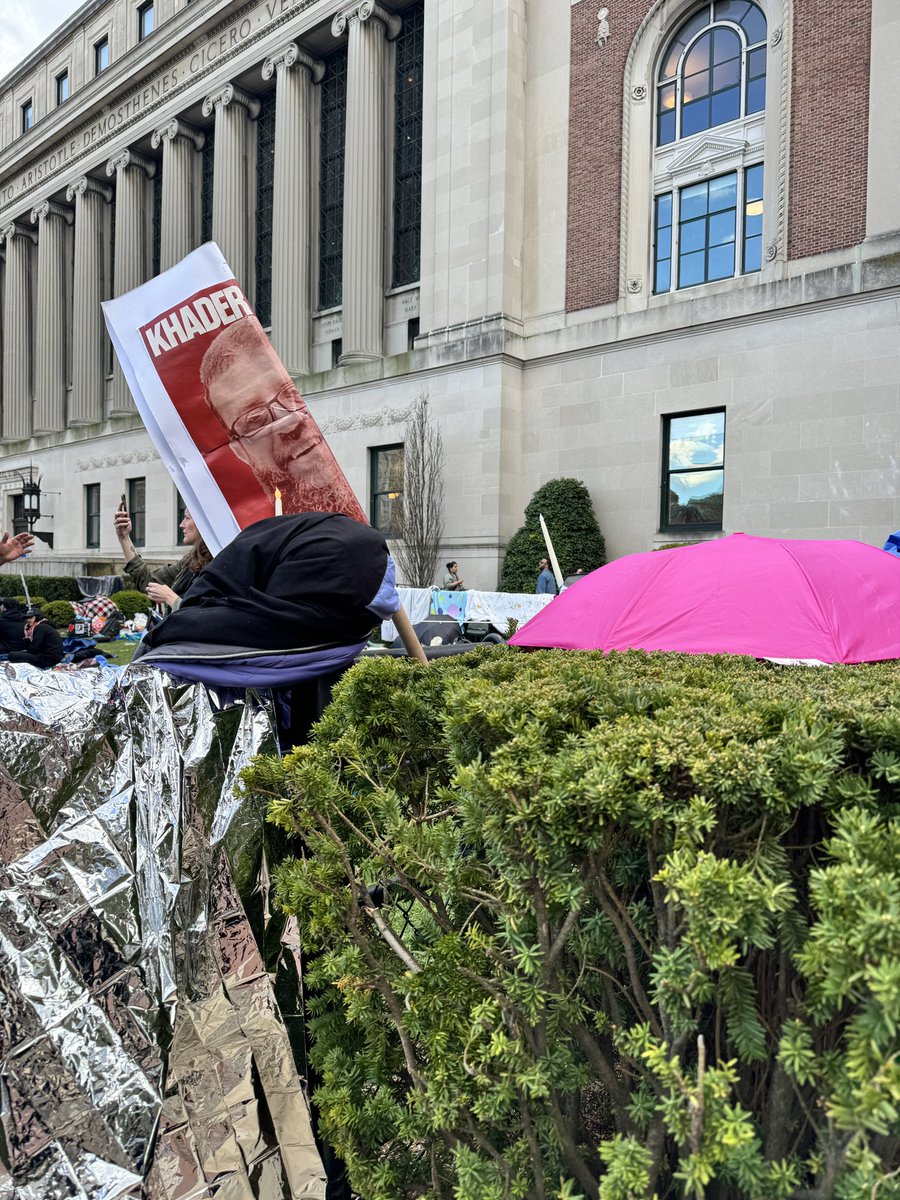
x=12, y=628
x=283, y=584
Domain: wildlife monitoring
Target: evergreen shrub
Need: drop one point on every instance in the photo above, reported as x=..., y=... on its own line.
x=59, y=613
x=566, y=507
x=130, y=602
x=615, y=927
x=54, y=587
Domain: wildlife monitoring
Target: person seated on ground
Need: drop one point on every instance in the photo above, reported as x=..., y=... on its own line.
x=44, y=646
x=12, y=625
x=452, y=581
x=284, y=584
x=12, y=548
x=167, y=584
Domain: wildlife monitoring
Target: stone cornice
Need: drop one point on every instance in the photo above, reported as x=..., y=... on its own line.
x=364, y=12
x=130, y=158
x=177, y=128
x=51, y=209
x=290, y=55
x=230, y=94
x=87, y=183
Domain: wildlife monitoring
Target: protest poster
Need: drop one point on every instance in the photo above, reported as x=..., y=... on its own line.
x=218, y=404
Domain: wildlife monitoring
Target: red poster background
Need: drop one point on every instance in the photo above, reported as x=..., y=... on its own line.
x=178, y=369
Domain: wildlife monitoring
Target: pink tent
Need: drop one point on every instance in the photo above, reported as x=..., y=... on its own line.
x=835, y=602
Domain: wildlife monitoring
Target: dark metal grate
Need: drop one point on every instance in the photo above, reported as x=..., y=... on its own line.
x=206, y=186
x=408, y=148
x=157, y=219
x=265, y=202
x=331, y=180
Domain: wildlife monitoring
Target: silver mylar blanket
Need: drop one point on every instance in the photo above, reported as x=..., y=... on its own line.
x=142, y=1052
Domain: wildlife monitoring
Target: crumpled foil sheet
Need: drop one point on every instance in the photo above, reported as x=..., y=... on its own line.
x=142, y=1051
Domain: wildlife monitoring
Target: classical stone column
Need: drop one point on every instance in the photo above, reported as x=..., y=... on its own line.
x=17, y=402
x=50, y=324
x=295, y=76
x=88, y=368
x=369, y=27
x=180, y=194
x=234, y=110
x=132, y=171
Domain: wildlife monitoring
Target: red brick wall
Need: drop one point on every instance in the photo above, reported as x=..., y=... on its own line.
x=829, y=125
x=595, y=151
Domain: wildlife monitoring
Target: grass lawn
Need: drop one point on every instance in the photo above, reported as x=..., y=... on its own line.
x=118, y=652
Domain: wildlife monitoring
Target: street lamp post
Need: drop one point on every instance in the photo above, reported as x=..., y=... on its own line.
x=31, y=498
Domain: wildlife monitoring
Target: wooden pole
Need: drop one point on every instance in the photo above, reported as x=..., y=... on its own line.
x=408, y=637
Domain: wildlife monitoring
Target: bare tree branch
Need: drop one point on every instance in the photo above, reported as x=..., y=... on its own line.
x=419, y=527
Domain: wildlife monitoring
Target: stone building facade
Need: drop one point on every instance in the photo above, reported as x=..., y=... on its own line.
x=652, y=245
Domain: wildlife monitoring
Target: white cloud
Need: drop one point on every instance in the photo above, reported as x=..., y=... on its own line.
x=26, y=24
x=696, y=451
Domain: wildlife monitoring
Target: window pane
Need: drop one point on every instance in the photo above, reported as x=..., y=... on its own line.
x=756, y=63
x=745, y=14
x=721, y=228
x=696, y=86
x=756, y=95
x=696, y=498
x=726, y=106
x=387, y=487
x=698, y=57
x=664, y=242
x=721, y=262
x=665, y=130
x=694, y=118
x=408, y=148
x=692, y=269
x=727, y=75
x=697, y=440
x=726, y=45
x=693, y=235
x=753, y=185
x=664, y=210
x=752, y=254
x=722, y=192
x=684, y=35
x=693, y=201
x=265, y=198
x=331, y=180
x=663, y=282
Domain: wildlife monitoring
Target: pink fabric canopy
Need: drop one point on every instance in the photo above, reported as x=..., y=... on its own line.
x=834, y=601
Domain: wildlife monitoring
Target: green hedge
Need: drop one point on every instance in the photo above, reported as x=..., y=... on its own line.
x=54, y=587
x=642, y=929
x=59, y=613
x=567, y=508
x=130, y=602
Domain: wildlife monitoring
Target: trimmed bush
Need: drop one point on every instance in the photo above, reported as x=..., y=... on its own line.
x=602, y=927
x=59, y=613
x=54, y=587
x=577, y=540
x=130, y=602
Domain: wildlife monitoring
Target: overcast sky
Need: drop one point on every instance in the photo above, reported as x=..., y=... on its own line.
x=25, y=24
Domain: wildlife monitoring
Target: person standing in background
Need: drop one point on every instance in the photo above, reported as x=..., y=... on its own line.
x=452, y=581
x=546, y=582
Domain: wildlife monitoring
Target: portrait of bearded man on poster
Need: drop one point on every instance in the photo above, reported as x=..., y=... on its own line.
x=267, y=423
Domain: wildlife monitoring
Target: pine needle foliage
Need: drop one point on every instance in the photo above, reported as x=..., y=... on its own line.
x=602, y=927
x=567, y=509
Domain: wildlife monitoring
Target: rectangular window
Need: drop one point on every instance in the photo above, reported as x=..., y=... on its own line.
x=265, y=203
x=92, y=515
x=408, y=147
x=156, y=244
x=711, y=230
x=145, y=21
x=386, y=475
x=19, y=521
x=331, y=180
x=62, y=87
x=137, y=510
x=207, y=156
x=693, y=477
x=101, y=55
x=27, y=116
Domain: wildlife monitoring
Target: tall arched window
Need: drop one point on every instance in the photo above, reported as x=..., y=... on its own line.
x=708, y=190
